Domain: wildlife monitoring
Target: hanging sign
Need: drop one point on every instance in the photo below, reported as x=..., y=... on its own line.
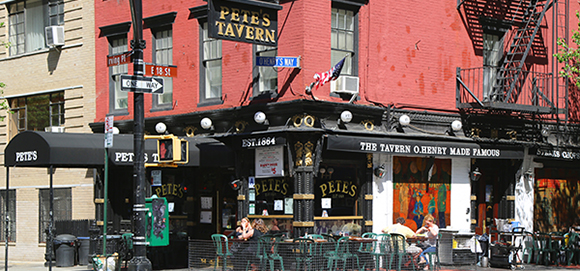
x=244, y=21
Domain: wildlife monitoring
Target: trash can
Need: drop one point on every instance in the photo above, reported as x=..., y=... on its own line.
x=65, y=246
x=83, y=251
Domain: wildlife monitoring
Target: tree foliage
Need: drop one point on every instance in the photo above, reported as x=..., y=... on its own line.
x=570, y=56
x=3, y=102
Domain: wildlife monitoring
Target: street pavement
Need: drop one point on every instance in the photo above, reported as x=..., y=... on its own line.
x=37, y=266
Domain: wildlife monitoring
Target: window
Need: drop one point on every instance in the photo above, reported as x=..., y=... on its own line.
x=55, y=12
x=344, y=39
x=39, y=111
x=163, y=54
x=492, y=54
x=118, y=100
x=211, y=71
x=267, y=82
x=62, y=209
x=11, y=216
x=26, y=21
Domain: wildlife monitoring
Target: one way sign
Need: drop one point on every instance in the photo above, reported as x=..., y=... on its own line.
x=141, y=84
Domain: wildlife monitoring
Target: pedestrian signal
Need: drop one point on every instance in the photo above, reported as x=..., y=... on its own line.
x=169, y=149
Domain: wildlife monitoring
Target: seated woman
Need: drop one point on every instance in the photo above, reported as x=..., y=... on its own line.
x=430, y=245
x=251, y=235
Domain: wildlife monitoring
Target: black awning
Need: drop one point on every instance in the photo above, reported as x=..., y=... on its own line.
x=414, y=147
x=84, y=150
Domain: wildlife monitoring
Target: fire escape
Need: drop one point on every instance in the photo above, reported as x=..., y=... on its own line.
x=520, y=83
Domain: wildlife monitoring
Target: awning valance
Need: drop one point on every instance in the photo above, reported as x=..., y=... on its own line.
x=416, y=147
x=83, y=150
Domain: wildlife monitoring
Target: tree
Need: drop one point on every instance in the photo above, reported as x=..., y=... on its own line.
x=3, y=102
x=570, y=56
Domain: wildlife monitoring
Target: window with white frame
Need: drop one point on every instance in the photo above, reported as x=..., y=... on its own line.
x=62, y=209
x=211, y=71
x=11, y=216
x=163, y=55
x=344, y=39
x=119, y=100
x=27, y=20
x=267, y=76
x=37, y=112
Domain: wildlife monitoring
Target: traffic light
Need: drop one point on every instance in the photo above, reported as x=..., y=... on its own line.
x=236, y=184
x=184, y=152
x=169, y=149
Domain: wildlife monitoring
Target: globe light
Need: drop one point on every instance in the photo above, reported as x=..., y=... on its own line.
x=205, y=123
x=260, y=117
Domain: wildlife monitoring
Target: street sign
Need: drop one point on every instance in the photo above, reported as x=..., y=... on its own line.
x=160, y=70
x=120, y=59
x=278, y=61
x=141, y=84
x=109, y=131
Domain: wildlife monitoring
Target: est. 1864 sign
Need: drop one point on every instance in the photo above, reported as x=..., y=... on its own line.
x=245, y=21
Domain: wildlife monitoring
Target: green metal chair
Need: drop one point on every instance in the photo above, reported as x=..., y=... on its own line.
x=222, y=250
x=529, y=246
x=304, y=251
x=546, y=251
x=381, y=248
x=341, y=253
x=398, y=252
x=433, y=257
x=366, y=248
x=572, y=248
x=268, y=251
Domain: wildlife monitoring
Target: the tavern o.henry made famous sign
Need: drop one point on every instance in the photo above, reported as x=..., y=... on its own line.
x=237, y=20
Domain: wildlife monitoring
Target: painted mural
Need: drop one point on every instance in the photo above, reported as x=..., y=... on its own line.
x=421, y=188
x=556, y=204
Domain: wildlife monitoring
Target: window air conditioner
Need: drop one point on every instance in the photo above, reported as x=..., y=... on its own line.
x=54, y=129
x=344, y=85
x=54, y=35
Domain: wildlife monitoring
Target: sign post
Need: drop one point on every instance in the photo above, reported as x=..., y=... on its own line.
x=108, y=143
x=139, y=262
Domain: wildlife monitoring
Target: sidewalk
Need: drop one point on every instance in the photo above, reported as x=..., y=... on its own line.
x=38, y=266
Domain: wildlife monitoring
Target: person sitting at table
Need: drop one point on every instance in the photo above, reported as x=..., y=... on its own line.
x=253, y=233
x=351, y=228
x=400, y=228
x=430, y=245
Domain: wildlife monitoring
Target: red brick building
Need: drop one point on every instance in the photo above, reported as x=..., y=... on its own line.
x=410, y=72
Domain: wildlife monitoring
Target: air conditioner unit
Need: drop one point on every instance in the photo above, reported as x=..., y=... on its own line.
x=54, y=35
x=344, y=85
x=54, y=129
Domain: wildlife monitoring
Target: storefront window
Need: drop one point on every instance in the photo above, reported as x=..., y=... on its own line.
x=346, y=227
x=556, y=199
x=337, y=191
x=421, y=189
x=271, y=199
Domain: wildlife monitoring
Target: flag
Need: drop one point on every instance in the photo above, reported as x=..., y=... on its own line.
x=330, y=75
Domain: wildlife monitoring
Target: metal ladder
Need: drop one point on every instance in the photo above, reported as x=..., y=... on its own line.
x=510, y=75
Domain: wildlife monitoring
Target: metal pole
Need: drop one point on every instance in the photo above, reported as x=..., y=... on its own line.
x=6, y=218
x=106, y=198
x=51, y=222
x=139, y=261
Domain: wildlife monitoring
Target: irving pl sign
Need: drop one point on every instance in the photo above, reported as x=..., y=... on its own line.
x=245, y=21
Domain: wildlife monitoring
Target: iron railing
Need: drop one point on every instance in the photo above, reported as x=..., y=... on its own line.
x=534, y=92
